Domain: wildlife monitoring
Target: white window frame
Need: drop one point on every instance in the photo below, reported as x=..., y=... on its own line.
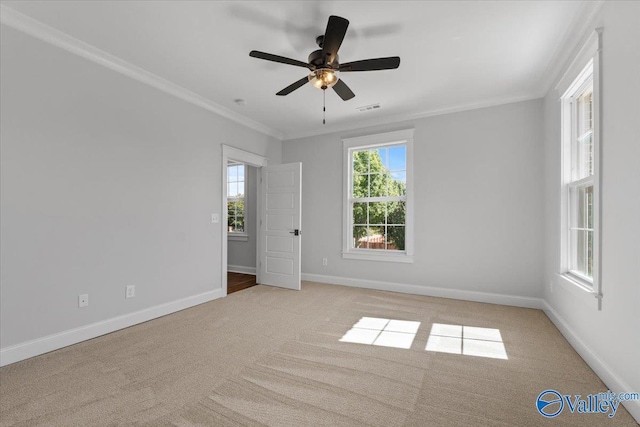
x=242, y=236
x=584, y=69
x=403, y=137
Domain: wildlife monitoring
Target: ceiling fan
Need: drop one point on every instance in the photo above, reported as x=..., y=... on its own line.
x=324, y=65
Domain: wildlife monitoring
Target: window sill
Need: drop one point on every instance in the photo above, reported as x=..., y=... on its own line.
x=238, y=237
x=403, y=258
x=577, y=282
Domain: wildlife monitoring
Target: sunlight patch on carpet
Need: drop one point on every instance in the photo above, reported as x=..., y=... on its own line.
x=382, y=332
x=467, y=340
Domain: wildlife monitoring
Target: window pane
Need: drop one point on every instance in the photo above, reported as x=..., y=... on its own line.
x=582, y=252
x=240, y=171
x=360, y=235
x=582, y=155
x=376, y=237
x=581, y=255
x=383, y=154
x=395, y=238
x=378, y=185
x=585, y=111
x=232, y=189
x=580, y=208
x=361, y=162
x=240, y=189
x=360, y=214
x=400, y=176
x=581, y=230
x=398, y=158
x=232, y=173
x=239, y=224
x=230, y=215
x=376, y=163
x=377, y=213
x=396, y=213
x=398, y=184
x=235, y=218
x=588, y=201
x=360, y=186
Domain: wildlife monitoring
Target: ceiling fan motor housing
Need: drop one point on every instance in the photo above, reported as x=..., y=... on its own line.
x=317, y=59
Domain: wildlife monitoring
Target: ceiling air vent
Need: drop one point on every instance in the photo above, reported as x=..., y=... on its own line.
x=368, y=108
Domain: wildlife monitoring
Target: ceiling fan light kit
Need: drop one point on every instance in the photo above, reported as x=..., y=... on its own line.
x=323, y=78
x=324, y=63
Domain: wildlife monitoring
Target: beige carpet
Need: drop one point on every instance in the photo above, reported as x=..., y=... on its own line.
x=269, y=356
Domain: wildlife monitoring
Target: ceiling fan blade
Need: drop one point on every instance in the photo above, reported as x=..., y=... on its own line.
x=343, y=90
x=287, y=90
x=333, y=36
x=372, y=64
x=280, y=59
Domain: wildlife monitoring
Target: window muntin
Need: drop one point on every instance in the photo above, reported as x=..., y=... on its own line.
x=378, y=197
x=580, y=178
x=236, y=186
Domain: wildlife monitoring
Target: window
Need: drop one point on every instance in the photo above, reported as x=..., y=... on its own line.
x=378, y=197
x=579, y=178
x=236, y=190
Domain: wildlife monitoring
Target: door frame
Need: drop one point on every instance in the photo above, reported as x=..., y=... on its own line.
x=251, y=159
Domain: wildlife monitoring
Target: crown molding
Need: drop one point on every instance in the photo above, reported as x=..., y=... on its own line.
x=409, y=116
x=48, y=34
x=579, y=29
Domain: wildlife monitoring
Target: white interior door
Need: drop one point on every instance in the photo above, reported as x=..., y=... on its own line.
x=280, y=192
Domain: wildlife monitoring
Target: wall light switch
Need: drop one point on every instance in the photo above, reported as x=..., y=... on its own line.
x=215, y=218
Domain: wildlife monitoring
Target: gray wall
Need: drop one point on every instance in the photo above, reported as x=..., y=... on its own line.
x=243, y=253
x=611, y=334
x=478, y=202
x=106, y=182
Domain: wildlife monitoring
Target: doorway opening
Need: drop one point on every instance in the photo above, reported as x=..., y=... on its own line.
x=240, y=227
x=242, y=198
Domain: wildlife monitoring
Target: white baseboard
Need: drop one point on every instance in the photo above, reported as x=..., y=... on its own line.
x=606, y=374
x=59, y=340
x=241, y=269
x=486, y=297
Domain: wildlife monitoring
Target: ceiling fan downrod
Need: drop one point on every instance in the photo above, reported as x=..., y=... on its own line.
x=324, y=107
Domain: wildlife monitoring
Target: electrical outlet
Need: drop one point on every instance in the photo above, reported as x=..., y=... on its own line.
x=324, y=262
x=551, y=286
x=83, y=300
x=130, y=291
x=215, y=218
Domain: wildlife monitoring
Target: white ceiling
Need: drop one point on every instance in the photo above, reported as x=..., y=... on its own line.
x=454, y=55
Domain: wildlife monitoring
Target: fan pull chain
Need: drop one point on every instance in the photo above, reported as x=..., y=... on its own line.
x=324, y=107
